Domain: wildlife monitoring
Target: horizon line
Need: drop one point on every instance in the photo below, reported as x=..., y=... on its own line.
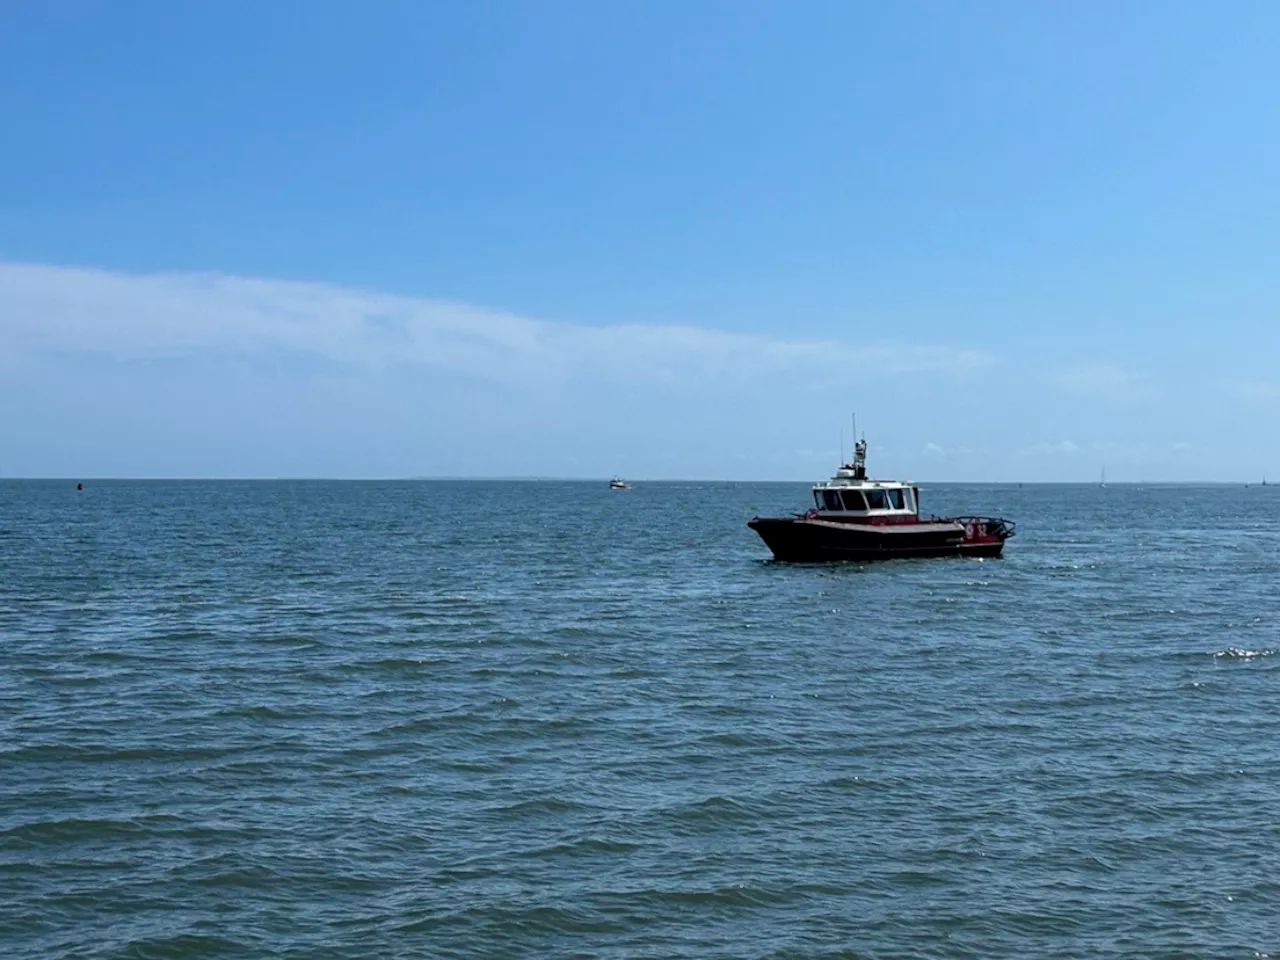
x=534, y=478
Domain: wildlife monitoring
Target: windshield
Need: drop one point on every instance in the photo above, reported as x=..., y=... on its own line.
x=853, y=500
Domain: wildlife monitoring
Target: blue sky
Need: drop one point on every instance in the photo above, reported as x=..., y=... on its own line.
x=659, y=239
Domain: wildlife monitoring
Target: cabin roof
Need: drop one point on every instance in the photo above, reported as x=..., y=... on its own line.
x=849, y=482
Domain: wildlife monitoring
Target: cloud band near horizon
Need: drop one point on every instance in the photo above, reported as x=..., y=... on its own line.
x=172, y=315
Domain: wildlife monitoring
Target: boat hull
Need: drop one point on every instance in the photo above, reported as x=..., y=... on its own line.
x=805, y=540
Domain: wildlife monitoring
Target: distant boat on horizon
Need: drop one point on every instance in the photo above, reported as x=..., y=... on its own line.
x=617, y=483
x=1103, y=481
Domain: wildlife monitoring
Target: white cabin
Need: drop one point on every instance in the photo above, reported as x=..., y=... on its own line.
x=849, y=495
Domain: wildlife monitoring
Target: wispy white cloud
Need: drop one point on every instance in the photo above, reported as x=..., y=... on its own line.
x=1116, y=448
x=1260, y=392
x=932, y=449
x=180, y=315
x=808, y=453
x=1104, y=381
x=1049, y=448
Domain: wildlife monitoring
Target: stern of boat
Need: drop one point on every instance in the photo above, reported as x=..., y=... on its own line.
x=984, y=536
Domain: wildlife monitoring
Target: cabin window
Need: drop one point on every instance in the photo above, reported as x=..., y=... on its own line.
x=832, y=499
x=895, y=499
x=907, y=499
x=877, y=500
x=817, y=499
x=853, y=500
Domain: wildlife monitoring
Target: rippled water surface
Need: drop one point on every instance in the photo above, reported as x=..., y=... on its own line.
x=546, y=720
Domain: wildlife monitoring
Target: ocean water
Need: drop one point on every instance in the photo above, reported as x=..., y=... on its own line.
x=429, y=719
